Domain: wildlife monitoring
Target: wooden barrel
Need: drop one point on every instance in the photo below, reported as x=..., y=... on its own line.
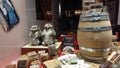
x=94, y=36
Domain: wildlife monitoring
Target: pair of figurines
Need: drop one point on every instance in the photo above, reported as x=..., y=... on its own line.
x=45, y=37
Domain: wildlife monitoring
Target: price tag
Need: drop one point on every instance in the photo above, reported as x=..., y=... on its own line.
x=22, y=64
x=35, y=66
x=114, y=57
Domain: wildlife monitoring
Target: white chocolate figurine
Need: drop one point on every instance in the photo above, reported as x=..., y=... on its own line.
x=35, y=35
x=48, y=34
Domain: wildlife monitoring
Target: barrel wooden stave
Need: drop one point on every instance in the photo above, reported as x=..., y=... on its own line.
x=94, y=39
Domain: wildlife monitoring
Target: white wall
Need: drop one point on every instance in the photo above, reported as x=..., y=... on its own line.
x=119, y=15
x=31, y=15
x=12, y=41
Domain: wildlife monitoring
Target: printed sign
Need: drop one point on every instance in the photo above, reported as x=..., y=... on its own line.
x=68, y=41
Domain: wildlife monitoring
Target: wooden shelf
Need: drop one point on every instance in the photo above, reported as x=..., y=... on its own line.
x=28, y=48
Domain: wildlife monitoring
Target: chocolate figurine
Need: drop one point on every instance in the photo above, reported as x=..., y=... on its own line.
x=35, y=35
x=48, y=34
x=53, y=53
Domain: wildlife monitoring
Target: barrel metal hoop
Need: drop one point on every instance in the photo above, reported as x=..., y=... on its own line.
x=99, y=18
x=103, y=28
x=94, y=49
x=93, y=58
x=92, y=14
